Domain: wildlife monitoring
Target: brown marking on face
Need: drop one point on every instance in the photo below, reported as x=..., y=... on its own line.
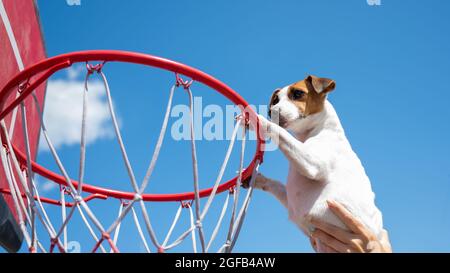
x=273, y=100
x=309, y=94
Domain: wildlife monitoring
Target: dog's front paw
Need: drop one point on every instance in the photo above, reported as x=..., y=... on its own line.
x=263, y=120
x=263, y=123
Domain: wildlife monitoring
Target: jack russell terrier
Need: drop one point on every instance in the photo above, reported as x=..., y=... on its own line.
x=323, y=165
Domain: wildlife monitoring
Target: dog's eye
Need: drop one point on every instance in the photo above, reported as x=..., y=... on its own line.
x=297, y=94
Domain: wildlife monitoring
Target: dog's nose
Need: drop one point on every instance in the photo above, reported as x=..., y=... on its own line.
x=276, y=117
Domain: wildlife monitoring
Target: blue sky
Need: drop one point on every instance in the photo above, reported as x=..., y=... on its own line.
x=390, y=63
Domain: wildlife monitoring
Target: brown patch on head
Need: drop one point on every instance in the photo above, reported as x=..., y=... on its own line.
x=300, y=88
x=309, y=94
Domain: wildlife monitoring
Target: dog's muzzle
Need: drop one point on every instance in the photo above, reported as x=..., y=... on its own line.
x=277, y=118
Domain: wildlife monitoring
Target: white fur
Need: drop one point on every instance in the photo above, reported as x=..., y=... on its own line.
x=323, y=167
x=285, y=107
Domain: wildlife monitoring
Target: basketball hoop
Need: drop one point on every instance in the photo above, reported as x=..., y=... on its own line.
x=21, y=169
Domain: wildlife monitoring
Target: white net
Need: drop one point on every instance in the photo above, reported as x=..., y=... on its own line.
x=44, y=234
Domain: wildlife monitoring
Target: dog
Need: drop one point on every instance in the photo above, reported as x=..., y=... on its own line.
x=322, y=164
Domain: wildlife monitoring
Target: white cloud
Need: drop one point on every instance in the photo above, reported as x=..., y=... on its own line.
x=47, y=186
x=44, y=185
x=74, y=72
x=63, y=113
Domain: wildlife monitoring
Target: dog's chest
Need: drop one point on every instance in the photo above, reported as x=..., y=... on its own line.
x=302, y=193
x=307, y=197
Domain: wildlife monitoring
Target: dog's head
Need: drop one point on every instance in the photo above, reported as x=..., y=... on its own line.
x=290, y=105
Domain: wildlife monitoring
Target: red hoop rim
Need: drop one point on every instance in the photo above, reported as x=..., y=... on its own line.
x=51, y=65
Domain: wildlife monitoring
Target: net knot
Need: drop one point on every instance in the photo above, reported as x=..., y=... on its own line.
x=198, y=224
x=67, y=190
x=180, y=82
x=106, y=236
x=137, y=197
x=54, y=241
x=244, y=118
x=77, y=199
x=161, y=249
x=186, y=204
x=94, y=68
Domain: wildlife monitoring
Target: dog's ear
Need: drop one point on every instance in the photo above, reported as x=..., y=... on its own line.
x=320, y=85
x=273, y=100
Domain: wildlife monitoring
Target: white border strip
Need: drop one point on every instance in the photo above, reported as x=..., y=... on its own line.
x=16, y=51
